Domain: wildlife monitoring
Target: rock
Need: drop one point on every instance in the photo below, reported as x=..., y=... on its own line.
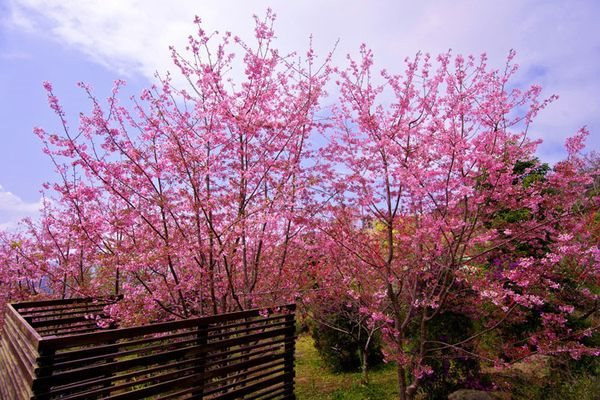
x=534, y=369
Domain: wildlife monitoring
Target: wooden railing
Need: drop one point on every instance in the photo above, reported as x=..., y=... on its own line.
x=51, y=350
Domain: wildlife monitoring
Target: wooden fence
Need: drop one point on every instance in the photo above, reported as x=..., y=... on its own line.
x=51, y=350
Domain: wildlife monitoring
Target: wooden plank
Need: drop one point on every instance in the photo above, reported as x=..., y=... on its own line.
x=10, y=388
x=59, y=321
x=67, y=329
x=17, y=359
x=58, y=311
x=64, y=332
x=58, y=302
x=17, y=385
x=28, y=332
x=25, y=347
x=39, y=316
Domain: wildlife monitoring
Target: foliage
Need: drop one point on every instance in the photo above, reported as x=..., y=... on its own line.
x=451, y=372
x=340, y=341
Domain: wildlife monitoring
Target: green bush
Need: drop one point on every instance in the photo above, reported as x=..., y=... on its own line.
x=341, y=351
x=452, y=371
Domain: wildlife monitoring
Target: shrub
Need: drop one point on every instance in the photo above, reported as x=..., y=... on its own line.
x=339, y=338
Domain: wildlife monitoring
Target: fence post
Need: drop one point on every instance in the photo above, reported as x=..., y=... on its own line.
x=45, y=363
x=289, y=348
x=109, y=360
x=201, y=341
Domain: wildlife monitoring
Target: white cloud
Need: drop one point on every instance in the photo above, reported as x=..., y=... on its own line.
x=561, y=39
x=13, y=209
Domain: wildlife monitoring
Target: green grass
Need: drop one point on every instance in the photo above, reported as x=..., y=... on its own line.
x=315, y=382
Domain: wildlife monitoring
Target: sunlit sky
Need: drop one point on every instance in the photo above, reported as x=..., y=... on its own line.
x=62, y=41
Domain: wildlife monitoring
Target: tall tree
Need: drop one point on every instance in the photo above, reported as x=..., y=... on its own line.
x=193, y=201
x=429, y=160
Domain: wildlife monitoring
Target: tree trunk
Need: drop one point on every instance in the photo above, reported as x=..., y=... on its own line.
x=364, y=366
x=411, y=391
x=402, y=383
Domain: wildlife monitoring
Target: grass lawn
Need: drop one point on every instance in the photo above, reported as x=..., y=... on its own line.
x=315, y=382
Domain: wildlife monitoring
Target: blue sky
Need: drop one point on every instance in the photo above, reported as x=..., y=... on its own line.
x=66, y=41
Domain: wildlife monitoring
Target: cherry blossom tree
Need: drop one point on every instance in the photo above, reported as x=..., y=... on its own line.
x=430, y=161
x=195, y=199
x=18, y=280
